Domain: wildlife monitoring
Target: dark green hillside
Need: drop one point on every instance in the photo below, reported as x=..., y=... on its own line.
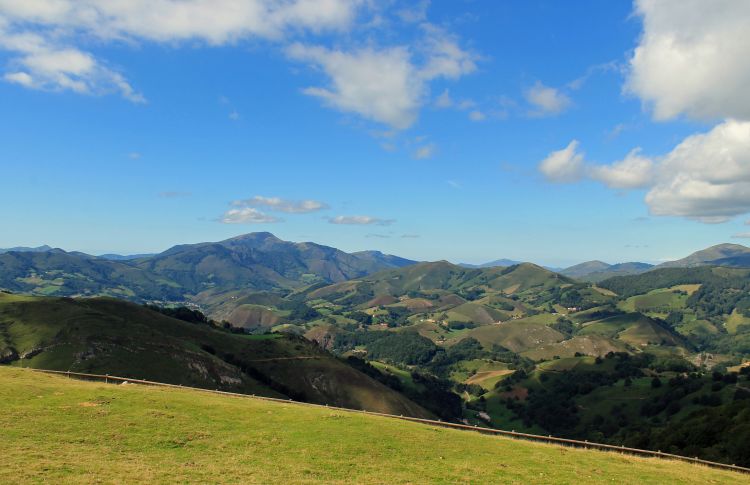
x=104, y=335
x=57, y=272
x=642, y=401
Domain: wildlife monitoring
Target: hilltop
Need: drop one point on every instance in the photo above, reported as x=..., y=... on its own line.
x=595, y=271
x=735, y=255
x=148, y=435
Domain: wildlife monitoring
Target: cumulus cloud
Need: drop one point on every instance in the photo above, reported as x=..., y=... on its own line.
x=360, y=220
x=546, y=101
x=387, y=85
x=43, y=34
x=632, y=172
x=692, y=58
x=706, y=177
x=379, y=85
x=283, y=205
x=564, y=166
x=45, y=65
x=247, y=215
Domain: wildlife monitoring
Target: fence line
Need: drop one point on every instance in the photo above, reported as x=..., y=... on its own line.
x=497, y=432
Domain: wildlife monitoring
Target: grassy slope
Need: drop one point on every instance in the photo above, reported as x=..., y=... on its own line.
x=120, y=338
x=58, y=430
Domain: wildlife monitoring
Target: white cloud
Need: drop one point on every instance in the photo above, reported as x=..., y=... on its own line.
x=247, y=215
x=477, y=115
x=563, y=166
x=386, y=85
x=741, y=235
x=692, y=58
x=424, y=152
x=283, y=205
x=360, y=220
x=632, y=172
x=43, y=33
x=42, y=64
x=380, y=85
x=416, y=12
x=547, y=101
x=706, y=177
x=444, y=100
x=444, y=57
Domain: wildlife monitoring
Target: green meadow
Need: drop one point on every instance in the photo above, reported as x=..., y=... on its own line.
x=58, y=430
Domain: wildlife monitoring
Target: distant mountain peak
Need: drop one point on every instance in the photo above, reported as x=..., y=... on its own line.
x=254, y=236
x=492, y=264
x=24, y=249
x=722, y=254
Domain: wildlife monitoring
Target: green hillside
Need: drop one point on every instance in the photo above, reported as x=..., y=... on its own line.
x=110, y=434
x=104, y=335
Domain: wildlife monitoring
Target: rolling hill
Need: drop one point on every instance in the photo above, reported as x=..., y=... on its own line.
x=595, y=271
x=104, y=335
x=148, y=434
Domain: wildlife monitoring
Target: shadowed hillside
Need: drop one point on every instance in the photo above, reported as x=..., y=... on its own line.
x=109, y=336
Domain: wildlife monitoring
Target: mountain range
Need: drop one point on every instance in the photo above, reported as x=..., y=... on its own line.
x=254, y=262
x=257, y=261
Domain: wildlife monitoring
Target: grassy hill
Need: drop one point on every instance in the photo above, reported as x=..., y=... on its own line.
x=103, y=335
x=105, y=433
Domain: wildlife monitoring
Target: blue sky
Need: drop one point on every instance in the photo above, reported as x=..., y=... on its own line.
x=547, y=131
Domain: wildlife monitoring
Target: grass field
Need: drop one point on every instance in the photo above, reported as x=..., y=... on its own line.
x=66, y=431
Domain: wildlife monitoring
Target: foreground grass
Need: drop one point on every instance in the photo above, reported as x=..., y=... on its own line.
x=57, y=430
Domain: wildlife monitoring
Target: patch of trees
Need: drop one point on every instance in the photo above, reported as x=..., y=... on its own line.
x=457, y=325
x=182, y=313
x=432, y=393
x=366, y=368
x=721, y=297
x=715, y=432
x=631, y=285
x=564, y=326
x=408, y=348
x=436, y=396
x=361, y=317
x=299, y=311
x=471, y=294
